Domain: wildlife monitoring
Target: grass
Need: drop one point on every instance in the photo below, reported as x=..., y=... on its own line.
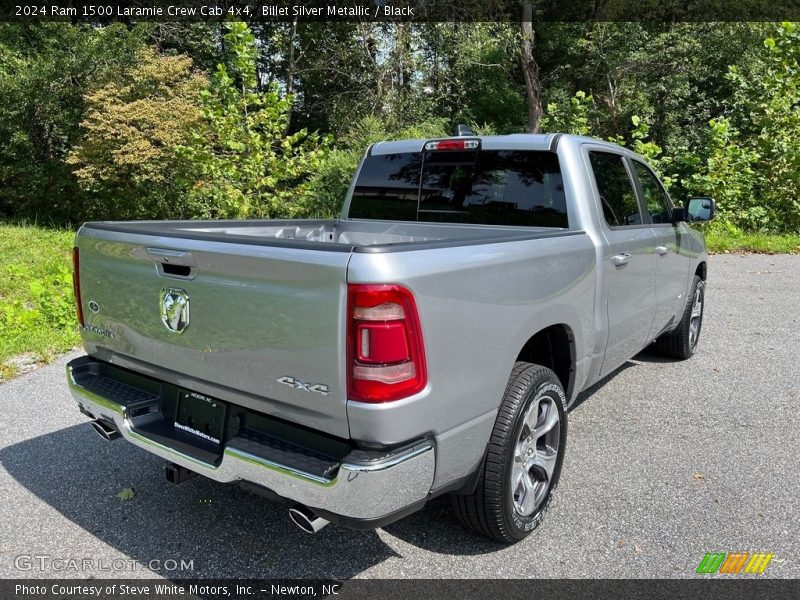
x=37, y=310
x=721, y=239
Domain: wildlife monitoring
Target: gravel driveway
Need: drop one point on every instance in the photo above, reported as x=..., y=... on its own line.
x=665, y=461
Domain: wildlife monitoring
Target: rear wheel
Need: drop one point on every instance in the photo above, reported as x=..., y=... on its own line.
x=682, y=343
x=524, y=458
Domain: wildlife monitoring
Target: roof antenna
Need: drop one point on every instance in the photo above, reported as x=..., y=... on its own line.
x=463, y=131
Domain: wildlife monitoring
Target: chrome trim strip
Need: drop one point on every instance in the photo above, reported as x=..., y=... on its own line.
x=392, y=462
x=359, y=491
x=269, y=464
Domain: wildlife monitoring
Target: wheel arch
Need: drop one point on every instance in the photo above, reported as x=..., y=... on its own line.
x=553, y=347
x=701, y=270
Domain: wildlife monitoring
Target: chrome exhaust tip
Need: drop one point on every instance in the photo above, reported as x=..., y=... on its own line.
x=105, y=430
x=305, y=519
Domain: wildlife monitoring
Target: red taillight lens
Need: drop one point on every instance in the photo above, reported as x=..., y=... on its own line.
x=385, y=353
x=76, y=284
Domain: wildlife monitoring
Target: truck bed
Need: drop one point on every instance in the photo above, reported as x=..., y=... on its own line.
x=330, y=234
x=263, y=312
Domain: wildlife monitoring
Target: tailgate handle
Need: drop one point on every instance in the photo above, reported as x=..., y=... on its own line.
x=173, y=263
x=176, y=270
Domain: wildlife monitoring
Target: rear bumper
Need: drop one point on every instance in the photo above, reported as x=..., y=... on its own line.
x=367, y=487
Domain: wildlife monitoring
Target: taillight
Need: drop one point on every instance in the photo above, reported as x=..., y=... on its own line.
x=76, y=283
x=385, y=353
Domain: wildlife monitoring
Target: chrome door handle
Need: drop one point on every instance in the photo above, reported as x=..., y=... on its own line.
x=620, y=260
x=662, y=250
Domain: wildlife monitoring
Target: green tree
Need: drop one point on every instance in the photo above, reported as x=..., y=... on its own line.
x=729, y=176
x=45, y=72
x=248, y=165
x=126, y=160
x=569, y=118
x=753, y=167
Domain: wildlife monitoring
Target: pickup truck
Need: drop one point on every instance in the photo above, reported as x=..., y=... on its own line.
x=428, y=342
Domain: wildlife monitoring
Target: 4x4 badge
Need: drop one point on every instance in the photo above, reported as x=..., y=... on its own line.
x=317, y=388
x=174, y=309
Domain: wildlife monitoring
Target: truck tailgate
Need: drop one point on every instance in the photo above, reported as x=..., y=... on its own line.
x=264, y=321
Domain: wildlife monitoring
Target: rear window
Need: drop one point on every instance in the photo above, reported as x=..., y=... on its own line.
x=492, y=187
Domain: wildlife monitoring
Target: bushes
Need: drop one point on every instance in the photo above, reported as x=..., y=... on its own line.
x=127, y=161
x=46, y=70
x=753, y=165
x=248, y=165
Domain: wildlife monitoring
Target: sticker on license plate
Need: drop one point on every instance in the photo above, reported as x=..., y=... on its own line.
x=201, y=416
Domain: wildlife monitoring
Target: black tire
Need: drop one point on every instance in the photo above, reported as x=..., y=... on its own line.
x=680, y=343
x=490, y=510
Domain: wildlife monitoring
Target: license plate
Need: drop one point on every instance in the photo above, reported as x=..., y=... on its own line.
x=201, y=416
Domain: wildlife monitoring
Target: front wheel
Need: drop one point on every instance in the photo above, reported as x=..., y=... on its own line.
x=682, y=343
x=523, y=461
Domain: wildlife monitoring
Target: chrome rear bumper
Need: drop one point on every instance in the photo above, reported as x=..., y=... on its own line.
x=367, y=486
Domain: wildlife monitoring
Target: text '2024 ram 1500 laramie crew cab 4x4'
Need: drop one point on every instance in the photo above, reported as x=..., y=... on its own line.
x=428, y=342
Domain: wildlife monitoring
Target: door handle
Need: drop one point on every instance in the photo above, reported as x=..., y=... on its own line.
x=662, y=250
x=620, y=260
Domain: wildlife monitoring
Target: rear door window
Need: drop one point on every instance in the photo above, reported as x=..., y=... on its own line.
x=617, y=195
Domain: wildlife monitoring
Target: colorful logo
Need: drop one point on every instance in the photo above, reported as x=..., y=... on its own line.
x=734, y=562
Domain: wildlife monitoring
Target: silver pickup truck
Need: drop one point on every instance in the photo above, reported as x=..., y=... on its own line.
x=428, y=342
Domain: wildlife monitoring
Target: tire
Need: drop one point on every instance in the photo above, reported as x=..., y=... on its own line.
x=682, y=342
x=505, y=506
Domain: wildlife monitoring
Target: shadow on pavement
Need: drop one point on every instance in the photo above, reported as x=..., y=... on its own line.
x=225, y=530
x=651, y=355
x=598, y=385
x=648, y=355
x=436, y=529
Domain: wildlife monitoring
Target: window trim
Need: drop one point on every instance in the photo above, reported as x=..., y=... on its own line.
x=640, y=192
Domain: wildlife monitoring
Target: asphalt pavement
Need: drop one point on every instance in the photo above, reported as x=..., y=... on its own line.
x=665, y=461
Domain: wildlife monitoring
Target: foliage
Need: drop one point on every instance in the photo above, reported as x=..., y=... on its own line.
x=45, y=70
x=37, y=309
x=572, y=118
x=729, y=176
x=644, y=145
x=753, y=167
x=249, y=165
x=711, y=106
x=126, y=494
x=126, y=160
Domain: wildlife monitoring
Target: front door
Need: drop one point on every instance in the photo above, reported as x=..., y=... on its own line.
x=672, y=268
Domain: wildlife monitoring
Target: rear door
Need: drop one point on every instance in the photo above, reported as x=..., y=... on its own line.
x=259, y=325
x=672, y=268
x=629, y=262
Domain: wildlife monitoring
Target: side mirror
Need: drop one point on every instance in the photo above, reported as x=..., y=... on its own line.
x=699, y=210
